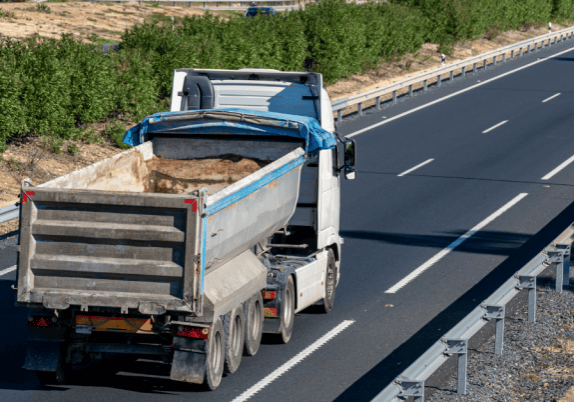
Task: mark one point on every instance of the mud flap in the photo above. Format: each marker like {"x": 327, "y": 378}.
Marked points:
{"x": 189, "y": 360}
{"x": 271, "y": 325}
{"x": 42, "y": 355}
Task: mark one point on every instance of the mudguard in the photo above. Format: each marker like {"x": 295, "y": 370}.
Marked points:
{"x": 42, "y": 355}
{"x": 189, "y": 360}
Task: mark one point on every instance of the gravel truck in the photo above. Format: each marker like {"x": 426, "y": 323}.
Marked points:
{"x": 217, "y": 226}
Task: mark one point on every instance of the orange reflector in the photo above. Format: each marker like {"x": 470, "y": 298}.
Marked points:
{"x": 270, "y": 312}
{"x": 117, "y": 324}
{"x": 269, "y": 294}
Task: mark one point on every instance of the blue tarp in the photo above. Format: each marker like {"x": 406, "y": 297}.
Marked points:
{"x": 309, "y": 129}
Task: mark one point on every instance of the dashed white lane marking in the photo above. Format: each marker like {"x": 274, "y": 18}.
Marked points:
{"x": 416, "y": 167}
{"x": 552, "y": 97}
{"x": 297, "y": 359}
{"x": 8, "y": 270}
{"x": 493, "y": 127}
{"x": 452, "y": 95}
{"x": 454, "y": 245}
{"x": 559, "y": 168}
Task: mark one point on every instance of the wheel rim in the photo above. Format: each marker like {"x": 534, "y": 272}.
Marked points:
{"x": 256, "y": 320}
{"x": 216, "y": 357}
{"x": 288, "y": 308}
{"x": 236, "y": 336}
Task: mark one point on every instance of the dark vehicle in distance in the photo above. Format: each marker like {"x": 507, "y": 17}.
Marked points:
{"x": 253, "y": 11}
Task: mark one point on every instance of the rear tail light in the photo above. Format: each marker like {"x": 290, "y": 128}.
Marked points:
{"x": 269, "y": 294}
{"x": 270, "y": 312}
{"x": 35, "y": 321}
{"x": 191, "y": 332}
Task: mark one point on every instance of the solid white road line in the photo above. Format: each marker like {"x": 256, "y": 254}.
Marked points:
{"x": 8, "y": 270}
{"x": 416, "y": 167}
{"x": 451, "y": 95}
{"x": 454, "y": 245}
{"x": 493, "y": 127}
{"x": 293, "y": 361}
{"x": 552, "y": 97}
{"x": 559, "y": 168}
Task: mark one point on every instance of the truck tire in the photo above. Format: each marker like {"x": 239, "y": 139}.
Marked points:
{"x": 330, "y": 285}
{"x": 253, "y": 324}
{"x": 234, "y": 323}
{"x": 215, "y": 356}
{"x": 287, "y": 312}
{"x": 61, "y": 374}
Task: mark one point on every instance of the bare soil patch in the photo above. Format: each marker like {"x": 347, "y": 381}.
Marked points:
{"x": 176, "y": 176}
{"x": 107, "y": 20}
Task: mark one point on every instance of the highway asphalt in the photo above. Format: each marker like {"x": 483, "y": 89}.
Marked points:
{"x": 490, "y": 182}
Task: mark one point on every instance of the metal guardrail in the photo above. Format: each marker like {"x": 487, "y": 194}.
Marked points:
{"x": 341, "y": 104}
{"x": 295, "y": 4}
{"x": 8, "y": 213}
{"x": 410, "y": 383}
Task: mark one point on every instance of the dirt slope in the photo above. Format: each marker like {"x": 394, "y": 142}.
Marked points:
{"x": 106, "y": 20}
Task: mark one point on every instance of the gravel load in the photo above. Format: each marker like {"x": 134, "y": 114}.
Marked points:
{"x": 537, "y": 363}
{"x": 176, "y": 176}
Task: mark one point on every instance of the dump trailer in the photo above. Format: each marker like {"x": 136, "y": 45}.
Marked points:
{"x": 218, "y": 225}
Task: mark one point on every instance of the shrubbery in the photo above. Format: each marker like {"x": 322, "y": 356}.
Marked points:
{"x": 54, "y": 87}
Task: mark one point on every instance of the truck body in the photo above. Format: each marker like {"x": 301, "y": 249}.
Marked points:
{"x": 150, "y": 252}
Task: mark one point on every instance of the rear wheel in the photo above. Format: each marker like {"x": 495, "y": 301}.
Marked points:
{"x": 287, "y": 312}
{"x": 235, "y": 331}
{"x": 253, "y": 324}
{"x": 215, "y": 356}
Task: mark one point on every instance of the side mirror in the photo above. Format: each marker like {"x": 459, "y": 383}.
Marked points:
{"x": 350, "y": 173}
{"x": 350, "y": 153}
{"x": 349, "y": 159}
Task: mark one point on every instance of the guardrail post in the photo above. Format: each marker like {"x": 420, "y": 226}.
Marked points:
{"x": 360, "y": 109}
{"x": 528, "y": 50}
{"x": 494, "y": 61}
{"x": 414, "y": 388}
{"x": 411, "y": 90}
{"x": 463, "y": 72}
{"x": 474, "y": 68}
{"x": 521, "y": 51}
{"x": 512, "y": 54}
{"x": 504, "y": 57}
{"x": 438, "y": 80}
{"x": 557, "y": 256}
{"x": 529, "y": 282}
{"x": 394, "y": 97}
{"x": 484, "y": 64}
{"x": 566, "y": 263}
{"x": 425, "y": 87}
{"x": 378, "y": 102}
{"x": 339, "y": 116}
{"x": 451, "y": 79}
{"x": 458, "y": 347}
{"x": 496, "y": 313}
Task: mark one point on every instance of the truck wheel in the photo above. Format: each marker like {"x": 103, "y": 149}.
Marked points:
{"x": 253, "y": 324}
{"x": 234, "y": 323}
{"x": 287, "y": 312}
{"x": 59, "y": 376}
{"x": 330, "y": 285}
{"x": 215, "y": 356}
